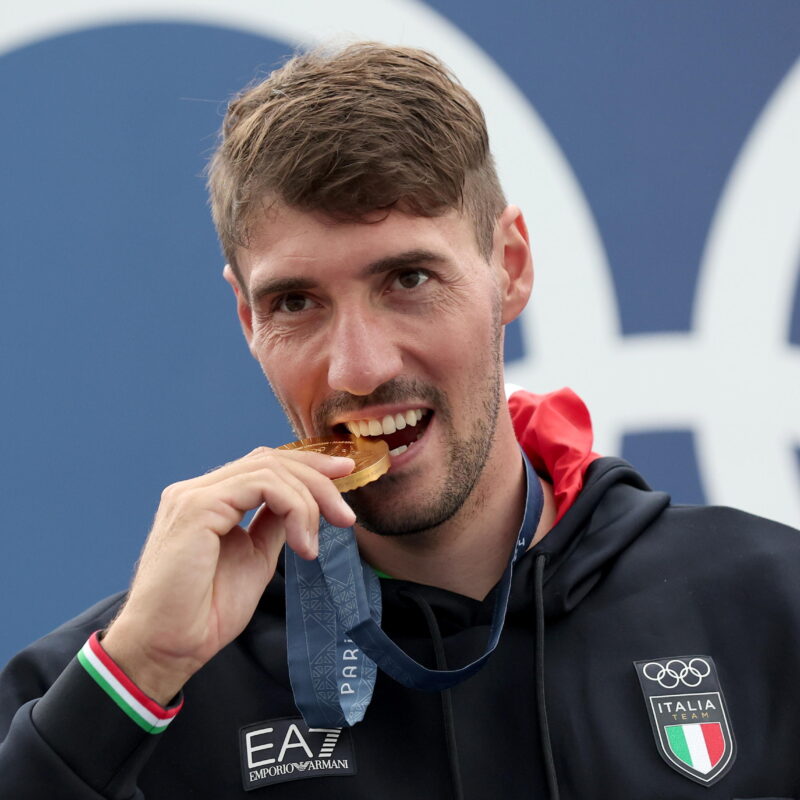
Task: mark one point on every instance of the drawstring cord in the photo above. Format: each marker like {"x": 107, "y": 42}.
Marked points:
{"x": 446, "y": 695}
{"x": 541, "y": 702}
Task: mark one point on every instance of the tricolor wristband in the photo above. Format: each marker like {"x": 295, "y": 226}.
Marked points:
{"x": 143, "y": 710}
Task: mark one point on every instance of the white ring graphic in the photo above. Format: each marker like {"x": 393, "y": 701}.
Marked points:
{"x": 735, "y": 378}
{"x": 676, "y": 671}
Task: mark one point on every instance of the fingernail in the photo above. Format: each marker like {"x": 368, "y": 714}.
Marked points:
{"x": 313, "y": 544}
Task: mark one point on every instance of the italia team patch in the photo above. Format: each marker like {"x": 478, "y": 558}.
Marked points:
{"x": 286, "y": 749}
{"x": 688, "y": 714}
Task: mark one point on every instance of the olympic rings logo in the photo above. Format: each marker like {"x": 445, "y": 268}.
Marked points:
{"x": 675, "y": 671}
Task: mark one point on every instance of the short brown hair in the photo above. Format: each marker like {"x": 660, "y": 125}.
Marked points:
{"x": 350, "y": 132}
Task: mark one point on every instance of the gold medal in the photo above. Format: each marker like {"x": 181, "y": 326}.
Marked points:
{"x": 371, "y": 457}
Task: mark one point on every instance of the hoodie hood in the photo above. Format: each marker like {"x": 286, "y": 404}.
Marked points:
{"x": 555, "y": 431}
{"x": 602, "y": 504}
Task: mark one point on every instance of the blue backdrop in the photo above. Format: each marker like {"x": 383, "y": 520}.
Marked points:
{"x": 122, "y": 363}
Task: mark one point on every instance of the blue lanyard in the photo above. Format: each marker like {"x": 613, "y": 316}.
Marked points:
{"x": 333, "y": 615}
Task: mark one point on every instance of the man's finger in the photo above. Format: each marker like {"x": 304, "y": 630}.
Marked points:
{"x": 330, "y": 466}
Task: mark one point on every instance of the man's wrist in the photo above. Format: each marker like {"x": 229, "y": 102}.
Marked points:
{"x": 134, "y": 671}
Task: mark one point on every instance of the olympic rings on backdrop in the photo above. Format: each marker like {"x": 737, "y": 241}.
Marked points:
{"x": 676, "y": 671}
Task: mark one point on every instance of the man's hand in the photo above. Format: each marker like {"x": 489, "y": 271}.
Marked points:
{"x": 201, "y": 574}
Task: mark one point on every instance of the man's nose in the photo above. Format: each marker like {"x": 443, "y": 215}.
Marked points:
{"x": 363, "y": 354}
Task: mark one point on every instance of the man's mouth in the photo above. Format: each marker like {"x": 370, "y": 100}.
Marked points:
{"x": 399, "y": 431}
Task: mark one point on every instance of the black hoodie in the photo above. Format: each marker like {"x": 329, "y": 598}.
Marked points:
{"x": 560, "y": 709}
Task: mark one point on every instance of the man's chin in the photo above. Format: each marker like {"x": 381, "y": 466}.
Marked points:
{"x": 385, "y": 514}
{"x": 413, "y": 526}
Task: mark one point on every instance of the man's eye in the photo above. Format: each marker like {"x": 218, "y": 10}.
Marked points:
{"x": 410, "y": 279}
{"x": 292, "y": 303}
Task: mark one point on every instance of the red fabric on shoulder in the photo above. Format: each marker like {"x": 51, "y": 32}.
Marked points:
{"x": 555, "y": 431}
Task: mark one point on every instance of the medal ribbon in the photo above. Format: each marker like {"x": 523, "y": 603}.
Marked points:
{"x": 333, "y": 633}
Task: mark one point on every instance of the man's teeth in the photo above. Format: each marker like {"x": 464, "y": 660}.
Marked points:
{"x": 389, "y": 424}
{"x": 398, "y": 450}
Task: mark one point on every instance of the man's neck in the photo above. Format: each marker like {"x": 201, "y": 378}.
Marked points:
{"x": 469, "y": 552}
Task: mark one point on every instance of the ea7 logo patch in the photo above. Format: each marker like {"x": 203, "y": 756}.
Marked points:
{"x": 688, "y": 714}
{"x": 287, "y": 749}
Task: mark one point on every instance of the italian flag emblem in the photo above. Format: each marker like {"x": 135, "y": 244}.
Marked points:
{"x": 689, "y": 716}
{"x": 699, "y": 745}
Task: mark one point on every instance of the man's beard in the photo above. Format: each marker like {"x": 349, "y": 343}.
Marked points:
{"x": 466, "y": 458}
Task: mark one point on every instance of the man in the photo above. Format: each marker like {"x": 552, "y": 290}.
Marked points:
{"x": 374, "y": 263}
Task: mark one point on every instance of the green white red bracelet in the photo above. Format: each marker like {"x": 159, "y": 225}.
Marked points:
{"x": 143, "y": 710}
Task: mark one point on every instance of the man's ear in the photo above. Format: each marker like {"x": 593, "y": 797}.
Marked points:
{"x": 513, "y": 253}
{"x": 243, "y": 309}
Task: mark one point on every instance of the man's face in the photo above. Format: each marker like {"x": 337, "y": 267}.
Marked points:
{"x": 392, "y": 329}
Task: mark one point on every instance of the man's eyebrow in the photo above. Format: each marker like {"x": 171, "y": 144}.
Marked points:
{"x": 281, "y": 286}
{"x": 284, "y": 285}
{"x": 410, "y": 258}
